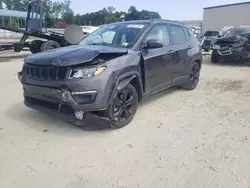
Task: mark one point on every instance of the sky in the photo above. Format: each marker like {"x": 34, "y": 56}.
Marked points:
{"x": 173, "y": 10}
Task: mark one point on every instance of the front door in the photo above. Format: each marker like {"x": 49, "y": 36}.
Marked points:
{"x": 158, "y": 62}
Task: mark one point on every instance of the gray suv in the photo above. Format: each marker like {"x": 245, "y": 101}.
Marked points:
{"x": 111, "y": 71}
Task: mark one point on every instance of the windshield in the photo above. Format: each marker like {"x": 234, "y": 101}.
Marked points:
{"x": 236, "y": 31}
{"x": 212, "y": 33}
{"x": 120, "y": 35}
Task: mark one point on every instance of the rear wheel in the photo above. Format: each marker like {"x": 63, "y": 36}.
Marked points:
{"x": 35, "y": 46}
{"x": 50, "y": 44}
{"x": 194, "y": 76}
{"x": 123, "y": 107}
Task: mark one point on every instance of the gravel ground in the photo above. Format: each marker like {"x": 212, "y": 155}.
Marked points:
{"x": 177, "y": 139}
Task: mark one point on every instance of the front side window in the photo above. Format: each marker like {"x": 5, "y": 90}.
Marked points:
{"x": 177, "y": 34}
{"x": 119, "y": 35}
{"x": 161, "y": 33}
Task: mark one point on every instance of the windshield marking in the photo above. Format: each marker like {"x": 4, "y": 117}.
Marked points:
{"x": 135, "y": 26}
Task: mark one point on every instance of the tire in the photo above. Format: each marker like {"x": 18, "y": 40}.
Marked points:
{"x": 35, "y": 46}
{"x": 215, "y": 57}
{"x": 50, "y": 44}
{"x": 123, "y": 107}
{"x": 193, "y": 78}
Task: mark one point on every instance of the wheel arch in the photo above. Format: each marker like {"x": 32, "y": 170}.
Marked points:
{"x": 124, "y": 79}
{"x": 133, "y": 79}
{"x": 199, "y": 61}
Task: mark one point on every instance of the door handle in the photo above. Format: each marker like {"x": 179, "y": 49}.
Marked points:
{"x": 171, "y": 51}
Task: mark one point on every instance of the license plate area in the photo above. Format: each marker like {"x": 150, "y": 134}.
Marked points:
{"x": 43, "y": 91}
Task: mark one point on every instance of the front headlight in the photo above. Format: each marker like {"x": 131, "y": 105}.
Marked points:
{"x": 78, "y": 73}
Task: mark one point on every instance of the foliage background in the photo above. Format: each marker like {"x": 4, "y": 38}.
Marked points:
{"x": 60, "y": 12}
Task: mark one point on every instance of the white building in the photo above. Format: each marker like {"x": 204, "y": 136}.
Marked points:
{"x": 218, "y": 17}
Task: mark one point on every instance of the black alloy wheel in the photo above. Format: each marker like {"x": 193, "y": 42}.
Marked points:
{"x": 195, "y": 74}
{"x": 215, "y": 57}
{"x": 123, "y": 107}
{"x": 194, "y": 77}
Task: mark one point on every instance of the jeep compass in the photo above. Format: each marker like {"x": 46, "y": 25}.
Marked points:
{"x": 111, "y": 71}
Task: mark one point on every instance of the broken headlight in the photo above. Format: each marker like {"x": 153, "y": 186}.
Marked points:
{"x": 83, "y": 72}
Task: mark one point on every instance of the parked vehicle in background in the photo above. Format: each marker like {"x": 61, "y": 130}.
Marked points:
{"x": 196, "y": 30}
{"x": 234, "y": 44}
{"x": 88, "y": 29}
{"x": 35, "y": 27}
{"x": 112, "y": 70}
{"x": 225, "y": 29}
{"x": 208, "y": 39}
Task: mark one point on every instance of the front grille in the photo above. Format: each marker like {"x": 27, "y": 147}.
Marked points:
{"x": 44, "y": 72}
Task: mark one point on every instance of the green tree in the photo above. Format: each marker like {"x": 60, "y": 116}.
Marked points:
{"x": 148, "y": 15}
{"x": 134, "y": 14}
{"x": 21, "y": 5}
{"x": 1, "y": 4}
{"x": 68, "y": 13}
{"x": 58, "y": 11}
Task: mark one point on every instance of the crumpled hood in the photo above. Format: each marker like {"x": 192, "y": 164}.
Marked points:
{"x": 72, "y": 55}
{"x": 227, "y": 40}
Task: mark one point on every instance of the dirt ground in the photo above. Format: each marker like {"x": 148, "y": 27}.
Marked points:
{"x": 177, "y": 139}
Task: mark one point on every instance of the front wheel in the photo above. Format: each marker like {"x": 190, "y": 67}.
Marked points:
{"x": 193, "y": 78}
{"x": 215, "y": 57}
{"x": 123, "y": 107}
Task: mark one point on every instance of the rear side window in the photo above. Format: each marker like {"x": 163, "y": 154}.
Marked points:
{"x": 177, "y": 34}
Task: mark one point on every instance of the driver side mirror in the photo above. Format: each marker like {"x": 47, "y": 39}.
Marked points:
{"x": 153, "y": 43}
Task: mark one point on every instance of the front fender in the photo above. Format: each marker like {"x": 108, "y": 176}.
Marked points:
{"x": 123, "y": 80}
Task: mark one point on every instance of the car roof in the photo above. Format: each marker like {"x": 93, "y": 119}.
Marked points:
{"x": 153, "y": 21}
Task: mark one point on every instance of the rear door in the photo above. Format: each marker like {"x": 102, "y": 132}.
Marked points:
{"x": 182, "y": 48}
{"x": 158, "y": 62}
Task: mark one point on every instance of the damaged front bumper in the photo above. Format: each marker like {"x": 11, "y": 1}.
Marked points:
{"x": 229, "y": 52}
{"x": 77, "y": 107}
{"x": 70, "y": 118}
